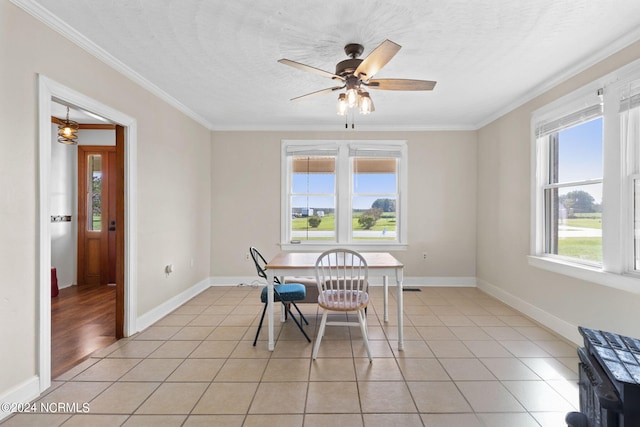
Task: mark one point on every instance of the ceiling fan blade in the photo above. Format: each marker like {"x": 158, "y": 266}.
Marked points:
{"x": 319, "y": 92}
{"x": 377, "y": 59}
{"x": 309, "y": 68}
{"x": 400, "y": 84}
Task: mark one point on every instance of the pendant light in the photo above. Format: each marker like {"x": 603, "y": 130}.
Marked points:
{"x": 68, "y": 131}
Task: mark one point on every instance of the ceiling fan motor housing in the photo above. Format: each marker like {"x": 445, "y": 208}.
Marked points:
{"x": 353, "y": 50}
{"x": 348, "y": 66}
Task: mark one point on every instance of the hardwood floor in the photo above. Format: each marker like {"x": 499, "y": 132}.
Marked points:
{"x": 82, "y": 321}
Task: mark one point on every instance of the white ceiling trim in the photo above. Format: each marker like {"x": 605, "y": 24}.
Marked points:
{"x": 572, "y": 71}
{"x": 43, "y": 15}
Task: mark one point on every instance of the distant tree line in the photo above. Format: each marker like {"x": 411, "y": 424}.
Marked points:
{"x": 579, "y": 201}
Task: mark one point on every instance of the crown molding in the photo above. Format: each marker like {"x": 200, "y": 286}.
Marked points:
{"x": 45, "y": 16}
{"x": 565, "y": 75}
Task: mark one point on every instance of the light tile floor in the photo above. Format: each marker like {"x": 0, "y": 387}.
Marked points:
{"x": 469, "y": 360}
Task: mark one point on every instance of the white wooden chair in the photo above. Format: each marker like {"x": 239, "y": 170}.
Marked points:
{"x": 342, "y": 279}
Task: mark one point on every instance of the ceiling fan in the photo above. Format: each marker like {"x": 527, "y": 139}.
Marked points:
{"x": 356, "y": 75}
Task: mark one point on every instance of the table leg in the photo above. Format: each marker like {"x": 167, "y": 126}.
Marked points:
{"x": 400, "y": 310}
{"x": 385, "y": 285}
{"x": 270, "y": 276}
{"x": 283, "y": 313}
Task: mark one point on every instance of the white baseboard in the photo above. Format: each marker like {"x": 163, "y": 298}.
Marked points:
{"x": 437, "y": 281}
{"x": 22, "y": 393}
{"x": 236, "y": 280}
{"x": 150, "y": 317}
{"x": 374, "y": 281}
{"x": 560, "y": 326}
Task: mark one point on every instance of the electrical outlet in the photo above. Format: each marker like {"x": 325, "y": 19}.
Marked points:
{"x": 424, "y": 256}
{"x": 247, "y": 257}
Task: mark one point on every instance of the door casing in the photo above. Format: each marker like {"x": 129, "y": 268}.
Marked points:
{"x": 48, "y": 91}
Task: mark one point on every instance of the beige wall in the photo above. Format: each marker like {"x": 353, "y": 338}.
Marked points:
{"x": 442, "y": 172}
{"x": 203, "y": 197}
{"x": 173, "y": 191}
{"x": 504, "y": 192}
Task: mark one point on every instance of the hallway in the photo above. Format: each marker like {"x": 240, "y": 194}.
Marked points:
{"x": 82, "y": 321}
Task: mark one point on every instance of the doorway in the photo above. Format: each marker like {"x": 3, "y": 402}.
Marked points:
{"x": 83, "y": 315}
{"x": 126, "y": 138}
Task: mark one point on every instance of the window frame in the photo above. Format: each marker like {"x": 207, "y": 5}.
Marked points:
{"x": 343, "y": 191}
{"x": 546, "y": 159}
{"x": 617, "y": 269}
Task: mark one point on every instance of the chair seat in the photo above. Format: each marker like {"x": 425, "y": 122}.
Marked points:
{"x": 340, "y": 300}
{"x": 310, "y": 285}
{"x": 287, "y": 292}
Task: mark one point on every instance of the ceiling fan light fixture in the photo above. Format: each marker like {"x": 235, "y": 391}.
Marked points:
{"x": 352, "y": 97}
{"x": 68, "y": 131}
{"x": 352, "y": 85}
{"x": 365, "y": 103}
{"x": 343, "y": 105}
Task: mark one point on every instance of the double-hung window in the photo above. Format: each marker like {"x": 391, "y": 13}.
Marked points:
{"x": 586, "y": 182}
{"x": 570, "y": 155}
{"x": 351, "y": 193}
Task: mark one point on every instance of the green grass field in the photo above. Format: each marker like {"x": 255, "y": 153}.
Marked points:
{"x": 328, "y": 223}
{"x": 587, "y": 248}
{"x": 586, "y": 220}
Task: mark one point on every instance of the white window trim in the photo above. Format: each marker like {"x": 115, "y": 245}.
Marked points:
{"x": 344, "y": 196}
{"x": 616, "y": 271}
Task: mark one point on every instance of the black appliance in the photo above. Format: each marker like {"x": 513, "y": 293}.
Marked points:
{"x": 609, "y": 379}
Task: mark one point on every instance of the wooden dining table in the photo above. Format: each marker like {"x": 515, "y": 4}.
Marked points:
{"x": 302, "y": 264}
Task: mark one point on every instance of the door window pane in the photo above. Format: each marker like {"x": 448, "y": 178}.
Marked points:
{"x": 94, "y": 192}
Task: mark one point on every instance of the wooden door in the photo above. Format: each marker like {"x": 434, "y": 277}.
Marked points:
{"x": 97, "y": 203}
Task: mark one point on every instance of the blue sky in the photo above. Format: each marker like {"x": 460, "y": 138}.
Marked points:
{"x": 364, "y": 183}
{"x": 580, "y": 156}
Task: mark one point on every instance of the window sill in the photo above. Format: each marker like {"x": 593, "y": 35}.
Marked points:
{"x": 624, "y": 282}
{"x": 362, "y": 247}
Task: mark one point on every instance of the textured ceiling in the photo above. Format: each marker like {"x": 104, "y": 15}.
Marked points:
{"x": 217, "y": 60}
